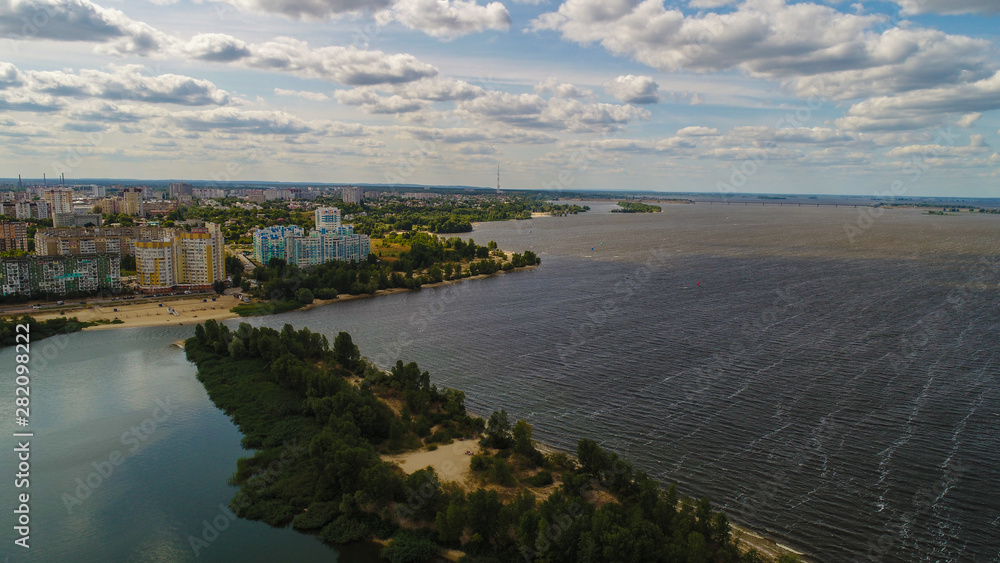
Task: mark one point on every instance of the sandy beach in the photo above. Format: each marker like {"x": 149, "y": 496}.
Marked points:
{"x": 190, "y": 310}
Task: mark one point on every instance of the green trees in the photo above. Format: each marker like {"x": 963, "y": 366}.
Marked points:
{"x": 498, "y": 433}
{"x": 316, "y": 463}
{"x": 409, "y": 547}
{"x": 304, "y": 296}
{"x": 345, "y": 351}
{"x": 219, "y": 287}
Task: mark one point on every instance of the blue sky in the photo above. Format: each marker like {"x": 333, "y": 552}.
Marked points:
{"x": 767, "y": 96}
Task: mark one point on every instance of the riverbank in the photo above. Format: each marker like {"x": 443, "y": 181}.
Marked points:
{"x": 189, "y": 310}
{"x": 193, "y": 310}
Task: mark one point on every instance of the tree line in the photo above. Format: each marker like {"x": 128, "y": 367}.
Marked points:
{"x": 317, "y": 417}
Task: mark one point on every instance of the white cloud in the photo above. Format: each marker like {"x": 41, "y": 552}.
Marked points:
{"x": 309, "y": 9}
{"x": 710, "y": 3}
{"x": 921, "y": 108}
{"x": 217, "y": 47}
{"x": 313, "y": 96}
{"x": 128, "y": 82}
{"x": 371, "y": 102}
{"x": 812, "y": 48}
{"x": 78, "y": 20}
{"x": 968, "y": 119}
{"x": 949, "y": 6}
{"x": 346, "y": 65}
{"x": 446, "y": 19}
{"x": 561, "y": 89}
{"x": 976, "y": 147}
{"x": 633, "y": 89}
{"x": 234, "y": 120}
{"x": 531, "y": 110}
{"x": 697, "y": 131}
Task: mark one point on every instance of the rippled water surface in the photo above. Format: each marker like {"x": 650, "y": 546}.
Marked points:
{"x": 827, "y": 377}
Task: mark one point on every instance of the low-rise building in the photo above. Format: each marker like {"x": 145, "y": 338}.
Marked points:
{"x": 13, "y": 236}
{"x": 44, "y": 276}
{"x": 76, "y": 219}
{"x": 53, "y": 241}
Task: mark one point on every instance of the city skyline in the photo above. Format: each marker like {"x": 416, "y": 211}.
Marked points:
{"x": 761, "y": 96}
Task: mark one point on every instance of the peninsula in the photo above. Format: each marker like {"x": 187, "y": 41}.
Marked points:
{"x": 328, "y": 429}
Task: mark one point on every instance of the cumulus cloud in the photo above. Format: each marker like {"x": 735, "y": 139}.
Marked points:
{"x": 968, "y": 119}
{"x": 128, "y": 82}
{"x": 234, "y": 120}
{"x": 28, "y": 101}
{"x": 561, "y": 89}
{"x": 812, "y": 48}
{"x": 446, "y": 19}
{"x": 633, "y": 89}
{"x": 347, "y": 65}
{"x": 697, "y": 131}
{"x": 439, "y": 89}
{"x": 489, "y": 133}
{"x": 78, "y": 20}
{"x": 531, "y": 110}
{"x": 9, "y": 76}
{"x": 313, "y": 96}
{"x": 371, "y": 101}
{"x": 309, "y": 9}
{"x": 921, "y": 108}
{"x": 217, "y": 47}
{"x": 949, "y": 6}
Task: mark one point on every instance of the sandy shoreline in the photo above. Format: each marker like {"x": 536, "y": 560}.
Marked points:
{"x": 194, "y": 309}
{"x": 449, "y": 461}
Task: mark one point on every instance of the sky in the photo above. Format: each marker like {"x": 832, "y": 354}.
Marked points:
{"x": 891, "y": 98}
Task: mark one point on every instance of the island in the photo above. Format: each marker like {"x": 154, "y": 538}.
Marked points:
{"x": 331, "y": 434}
{"x": 636, "y": 207}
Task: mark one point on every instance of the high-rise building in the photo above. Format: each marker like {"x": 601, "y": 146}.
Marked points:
{"x": 351, "y": 194}
{"x": 133, "y": 201}
{"x": 177, "y": 189}
{"x": 38, "y": 276}
{"x": 327, "y": 218}
{"x": 13, "y": 236}
{"x": 330, "y": 240}
{"x": 60, "y": 200}
{"x": 272, "y": 242}
{"x": 97, "y": 191}
{"x": 193, "y": 260}
{"x": 41, "y": 209}
{"x": 22, "y": 210}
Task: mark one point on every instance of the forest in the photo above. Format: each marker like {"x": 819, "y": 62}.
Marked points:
{"x": 317, "y": 418}
{"x": 42, "y": 329}
{"x": 636, "y": 207}
{"x": 427, "y": 259}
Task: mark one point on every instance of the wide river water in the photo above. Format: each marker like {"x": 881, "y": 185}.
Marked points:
{"x": 835, "y": 388}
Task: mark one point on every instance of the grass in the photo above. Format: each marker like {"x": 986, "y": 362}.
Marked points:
{"x": 266, "y": 308}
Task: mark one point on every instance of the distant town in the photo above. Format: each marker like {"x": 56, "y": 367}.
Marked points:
{"x": 84, "y": 239}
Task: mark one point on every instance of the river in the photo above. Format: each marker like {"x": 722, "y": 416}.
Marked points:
{"x": 824, "y": 376}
